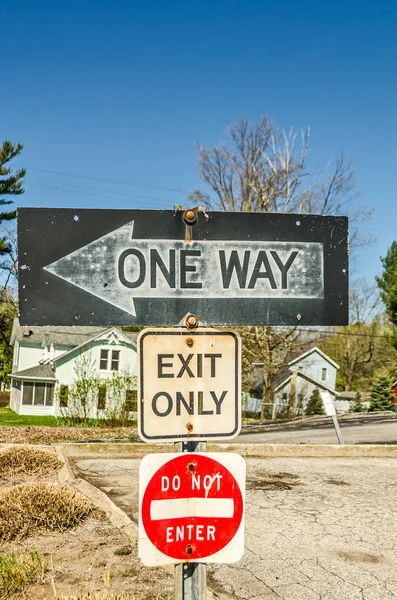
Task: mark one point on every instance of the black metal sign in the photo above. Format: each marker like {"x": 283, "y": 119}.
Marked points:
{"x": 146, "y": 267}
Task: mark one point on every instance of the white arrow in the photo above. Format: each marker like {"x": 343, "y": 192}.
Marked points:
{"x": 117, "y": 270}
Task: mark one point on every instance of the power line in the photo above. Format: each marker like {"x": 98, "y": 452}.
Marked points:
{"x": 322, "y": 332}
{"x": 92, "y": 191}
{"x": 134, "y": 184}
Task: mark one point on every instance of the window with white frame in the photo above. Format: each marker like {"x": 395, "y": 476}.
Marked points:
{"x": 131, "y": 400}
{"x": 115, "y": 360}
{"x": 37, "y": 393}
{"x": 109, "y": 360}
{"x": 103, "y": 362}
{"x": 323, "y": 374}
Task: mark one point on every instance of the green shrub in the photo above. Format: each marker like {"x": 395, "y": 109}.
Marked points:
{"x": 315, "y": 405}
{"x": 18, "y": 572}
{"x": 4, "y": 399}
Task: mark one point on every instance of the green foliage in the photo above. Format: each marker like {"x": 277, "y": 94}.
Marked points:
{"x": 63, "y": 395}
{"x": 388, "y": 282}
{"x": 10, "y": 184}
{"x": 315, "y": 404}
{"x": 90, "y": 397}
{"x": 357, "y": 405}
{"x": 18, "y": 572}
{"x": 382, "y": 395}
{"x": 8, "y": 311}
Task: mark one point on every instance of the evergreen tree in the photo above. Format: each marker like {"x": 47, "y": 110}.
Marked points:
{"x": 381, "y": 395}
{"x": 357, "y": 405}
{"x": 315, "y": 405}
{"x": 10, "y": 184}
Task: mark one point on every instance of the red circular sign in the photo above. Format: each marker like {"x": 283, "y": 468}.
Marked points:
{"x": 192, "y": 507}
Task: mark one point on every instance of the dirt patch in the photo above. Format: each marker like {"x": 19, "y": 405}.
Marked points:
{"x": 87, "y": 560}
{"x": 332, "y": 481}
{"x": 268, "y": 480}
{"x": 358, "y": 556}
{"x": 92, "y": 561}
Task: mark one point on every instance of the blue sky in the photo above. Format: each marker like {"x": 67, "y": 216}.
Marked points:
{"x": 122, "y": 92}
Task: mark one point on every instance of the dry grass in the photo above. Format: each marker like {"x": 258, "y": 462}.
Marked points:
{"x": 53, "y": 435}
{"x": 19, "y": 461}
{"x": 17, "y": 572}
{"x": 34, "y": 508}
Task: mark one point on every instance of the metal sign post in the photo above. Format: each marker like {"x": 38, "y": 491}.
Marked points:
{"x": 190, "y": 579}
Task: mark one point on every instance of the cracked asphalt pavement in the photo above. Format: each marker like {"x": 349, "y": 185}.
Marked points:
{"x": 316, "y": 529}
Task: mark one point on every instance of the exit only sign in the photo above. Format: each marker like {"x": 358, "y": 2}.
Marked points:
{"x": 189, "y": 384}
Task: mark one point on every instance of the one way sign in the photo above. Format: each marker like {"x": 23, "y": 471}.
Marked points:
{"x": 99, "y": 267}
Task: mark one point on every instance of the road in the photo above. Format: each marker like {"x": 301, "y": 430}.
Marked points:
{"x": 357, "y": 431}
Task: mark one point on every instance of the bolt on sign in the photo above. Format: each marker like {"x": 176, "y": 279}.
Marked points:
{"x": 140, "y": 267}
{"x": 189, "y": 384}
{"x": 191, "y": 508}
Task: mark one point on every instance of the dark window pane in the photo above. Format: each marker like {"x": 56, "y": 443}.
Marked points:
{"x": 131, "y": 400}
{"x": 115, "y": 360}
{"x": 101, "y": 397}
{"x": 324, "y": 375}
{"x": 63, "y": 396}
{"x": 27, "y": 393}
{"x": 39, "y": 394}
{"x": 49, "y": 399}
{"x": 103, "y": 363}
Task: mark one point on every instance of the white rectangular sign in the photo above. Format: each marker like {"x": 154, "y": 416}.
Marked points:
{"x": 189, "y": 384}
{"x": 328, "y": 404}
{"x": 191, "y": 508}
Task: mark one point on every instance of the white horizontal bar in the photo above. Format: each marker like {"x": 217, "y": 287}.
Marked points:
{"x": 179, "y": 508}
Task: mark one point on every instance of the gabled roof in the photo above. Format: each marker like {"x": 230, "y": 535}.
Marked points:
{"x": 308, "y": 378}
{"x": 38, "y": 372}
{"x": 74, "y": 335}
{"x": 45, "y": 335}
{"x": 311, "y": 351}
{"x": 125, "y": 334}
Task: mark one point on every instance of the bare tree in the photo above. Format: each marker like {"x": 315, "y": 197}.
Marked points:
{"x": 262, "y": 169}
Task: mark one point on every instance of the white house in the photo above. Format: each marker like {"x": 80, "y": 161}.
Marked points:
{"x": 47, "y": 360}
{"x": 313, "y": 369}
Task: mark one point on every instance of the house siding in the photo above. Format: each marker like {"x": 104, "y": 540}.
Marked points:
{"x": 29, "y": 356}
{"x": 64, "y": 366}
{"x": 313, "y": 365}
{"x": 304, "y": 390}
{"x": 15, "y": 399}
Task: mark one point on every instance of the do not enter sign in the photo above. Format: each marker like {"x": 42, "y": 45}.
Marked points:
{"x": 191, "y": 508}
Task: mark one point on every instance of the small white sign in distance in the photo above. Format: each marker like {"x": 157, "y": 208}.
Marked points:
{"x": 329, "y": 406}
{"x": 189, "y": 384}
{"x": 191, "y": 508}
